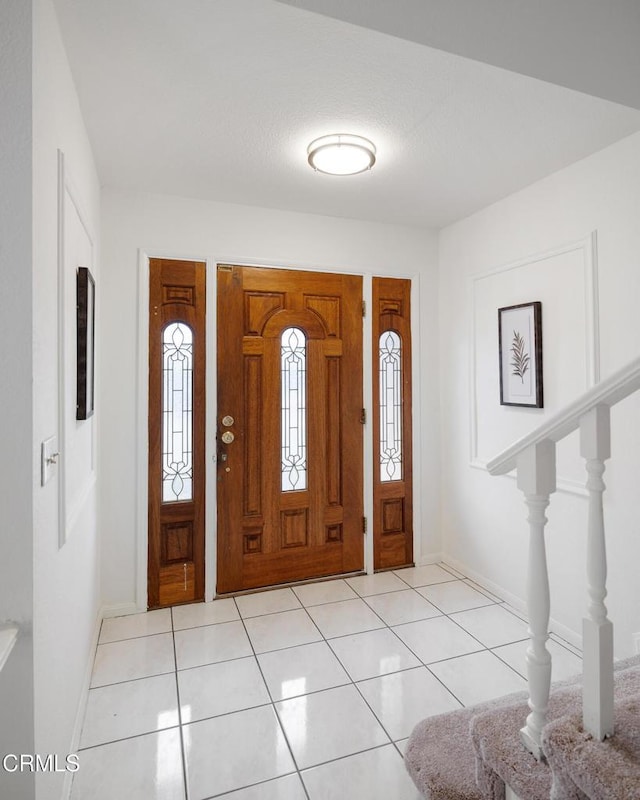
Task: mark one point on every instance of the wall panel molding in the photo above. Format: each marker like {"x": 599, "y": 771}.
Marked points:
{"x": 71, "y": 499}
{"x": 587, "y": 247}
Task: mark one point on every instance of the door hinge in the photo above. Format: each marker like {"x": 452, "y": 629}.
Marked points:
{"x": 364, "y": 308}
{"x": 363, "y": 416}
{"x": 364, "y": 524}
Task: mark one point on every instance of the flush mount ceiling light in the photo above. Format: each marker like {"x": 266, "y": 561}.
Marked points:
{"x": 341, "y": 154}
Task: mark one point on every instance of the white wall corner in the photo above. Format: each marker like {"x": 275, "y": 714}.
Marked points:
{"x": 120, "y": 610}
{"x": 568, "y": 634}
{"x": 82, "y": 700}
{"x": 429, "y": 558}
{"x": 142, "y": 443}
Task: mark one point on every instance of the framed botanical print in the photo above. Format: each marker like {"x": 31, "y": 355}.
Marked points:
{"x": 85, "y": 318}
{"x": 520, "y": 349}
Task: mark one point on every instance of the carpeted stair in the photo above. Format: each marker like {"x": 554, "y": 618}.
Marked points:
{"x": 608, "y": 770}
{"x": 472, "y": 753}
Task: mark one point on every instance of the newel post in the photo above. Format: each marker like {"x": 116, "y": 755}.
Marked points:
{"x": 536, "y": 468}
{"x": 597, "y": 630}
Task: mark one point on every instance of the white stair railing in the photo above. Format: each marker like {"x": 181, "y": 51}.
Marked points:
{"x": 597, "y": 630}
{"x": 537, "y": 479}
{"x": 533, "y": 457}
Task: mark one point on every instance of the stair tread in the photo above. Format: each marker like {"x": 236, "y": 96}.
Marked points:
{"x": 496, "y": 740}
{"x": 608, "y": 770}
{"x": 441, "y": 759}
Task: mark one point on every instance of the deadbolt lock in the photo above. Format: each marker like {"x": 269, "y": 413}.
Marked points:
{"x": 228, "y": 421}
{"x": 227, "y": 437}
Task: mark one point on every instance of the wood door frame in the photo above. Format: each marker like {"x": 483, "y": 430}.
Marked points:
{"x": 142, "y": 406}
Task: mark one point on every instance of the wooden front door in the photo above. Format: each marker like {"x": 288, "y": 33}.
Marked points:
{"x": 289, "y": 432}
{"x": 176, "y": 431}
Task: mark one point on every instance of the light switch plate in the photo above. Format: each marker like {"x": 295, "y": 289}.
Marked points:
{"x": 49, "y": 459}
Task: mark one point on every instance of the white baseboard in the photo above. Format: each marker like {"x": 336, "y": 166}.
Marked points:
{"x": 429, "y": 558}
{"x": 574, "y": 639}
{"x": 82, "y": 702}
{"x": 517, "y": 603}
{"x": 121, "y": 610}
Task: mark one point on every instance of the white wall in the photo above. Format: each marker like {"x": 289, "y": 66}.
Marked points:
{"x": 66, "y": 578}
{"x": 16, "y": 517}
{"x": 175, "y": 227}
{"x": 483, "y": 522}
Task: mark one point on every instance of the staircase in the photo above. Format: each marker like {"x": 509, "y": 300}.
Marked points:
{"x": 581, "y": 739}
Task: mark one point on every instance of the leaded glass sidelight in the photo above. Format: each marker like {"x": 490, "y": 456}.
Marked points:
{"x": 390, "y": 353}
{"x": 293, "y": 368}
{"x": 177, "y": 413}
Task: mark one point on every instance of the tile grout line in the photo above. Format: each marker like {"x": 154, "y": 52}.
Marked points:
{"x": 182, "y": 747}
{"x": 249, "y": 786}
{"x": 133, "y": 680}
{"x": 390, "y": 743}
{"x": 357, "y": 688}
{"x": 351, "y": 682}
{"x": 484, "y": 648}
{"x": 128, "y": 738}
{"x": 426, "y": 666}
{"x": 306, "y": 769}
{"x": 327, "y": 641}
{"x": 487, "y": 648}
{"x": 273, "y": 706}
{"x": 355, "y": 683}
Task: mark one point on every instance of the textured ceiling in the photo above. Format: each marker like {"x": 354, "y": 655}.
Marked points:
{"x": 588, "y": 45}
{"x": 218, "y": 99}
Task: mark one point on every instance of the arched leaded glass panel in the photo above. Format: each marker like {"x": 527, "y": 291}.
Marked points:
{"x": 177, "y": 413}
{"x": 390, "y": 353}
{"x": 293, "y": 367}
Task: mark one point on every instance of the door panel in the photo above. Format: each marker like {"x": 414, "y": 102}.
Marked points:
{"x": 392, "y": 479}
{"x": 176, "y": 432}
{"x": 273, "y": 529}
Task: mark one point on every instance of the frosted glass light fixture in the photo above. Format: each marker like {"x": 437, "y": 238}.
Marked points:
{"x": 341, "y": 154}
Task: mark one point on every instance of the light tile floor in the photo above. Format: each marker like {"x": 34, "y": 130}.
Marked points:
{"x": 306, "y": 693}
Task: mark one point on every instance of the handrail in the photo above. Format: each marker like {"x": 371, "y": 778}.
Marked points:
{"x": 607, "y": 393}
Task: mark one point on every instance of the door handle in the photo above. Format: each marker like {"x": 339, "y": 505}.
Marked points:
{"x": 227, "y": 437}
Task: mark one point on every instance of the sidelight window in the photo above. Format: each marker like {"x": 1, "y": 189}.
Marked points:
{"x": 390, "y": 358}
{"x": 177, "y": 413}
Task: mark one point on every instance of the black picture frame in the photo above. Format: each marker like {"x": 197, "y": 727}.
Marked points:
{"x": 520, "y": 355}
{"x": 85, "y": 338}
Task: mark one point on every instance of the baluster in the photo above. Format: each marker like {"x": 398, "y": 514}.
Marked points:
{"x": 597, "y": 630}
{"x": 537, "y": 479}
